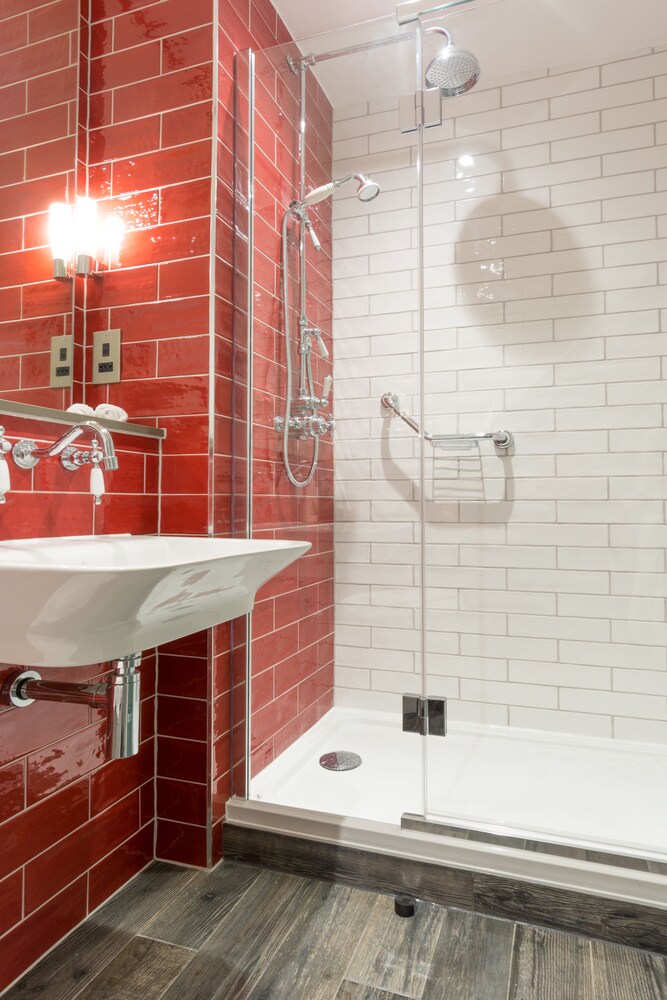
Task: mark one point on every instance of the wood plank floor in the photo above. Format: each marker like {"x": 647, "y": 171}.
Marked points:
{"x": 245, "y": 933}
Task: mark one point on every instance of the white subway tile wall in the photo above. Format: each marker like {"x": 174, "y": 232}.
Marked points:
{"x": 545, "y": 209}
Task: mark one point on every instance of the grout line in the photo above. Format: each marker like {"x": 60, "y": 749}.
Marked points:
{"x": 592, "y": 971}
{"x": 513, "y": 949}
{"x": 184, "y": 947}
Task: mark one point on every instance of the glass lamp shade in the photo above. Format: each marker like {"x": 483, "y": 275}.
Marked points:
{"x": 86, "y": 237}
{"x": 61, "y": 238}
{"x": 114, "y": 232}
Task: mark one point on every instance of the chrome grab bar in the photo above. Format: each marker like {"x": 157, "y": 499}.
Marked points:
{"x": 501, "y": 439}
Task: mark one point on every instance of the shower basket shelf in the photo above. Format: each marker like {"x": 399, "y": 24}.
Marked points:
{"x": 501, "y": 439}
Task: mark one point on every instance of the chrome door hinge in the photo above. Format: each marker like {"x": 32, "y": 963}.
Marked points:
{"x": 424, "y": 107}
{"x": 425, "y": 716}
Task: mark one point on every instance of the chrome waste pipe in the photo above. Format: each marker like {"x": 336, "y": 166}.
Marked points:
{"x": 124, "y": 706}
{"x": 119, "y": 697}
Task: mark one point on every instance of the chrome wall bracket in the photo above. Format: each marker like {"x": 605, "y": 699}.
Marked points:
{"x": 502, "y": 439}
{"x": 424, "y": 716}
{"x": 119, "y": 697}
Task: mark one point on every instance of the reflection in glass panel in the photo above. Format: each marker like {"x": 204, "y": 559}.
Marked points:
{"x": 38, "y": 149}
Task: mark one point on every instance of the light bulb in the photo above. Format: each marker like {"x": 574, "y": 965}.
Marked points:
{"x": 61, "y": 238}
{"x": 85, "y": 234}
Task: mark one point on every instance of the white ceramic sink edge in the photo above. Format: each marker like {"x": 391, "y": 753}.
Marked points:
{"x": 82, "y": 600}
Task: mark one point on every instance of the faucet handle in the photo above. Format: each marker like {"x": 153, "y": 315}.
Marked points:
{"x": 326, "y": 388}
{"x": 317, "y": 333}
{"x": 97, "y": 487}
{"x": 5, "y": 483}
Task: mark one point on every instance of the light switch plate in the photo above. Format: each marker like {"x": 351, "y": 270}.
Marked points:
{"x": 106, "y": 357}
{"x": 61, "y": 368}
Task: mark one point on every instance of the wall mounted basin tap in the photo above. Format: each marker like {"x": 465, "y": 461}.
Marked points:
{"x": 27, "y": 455}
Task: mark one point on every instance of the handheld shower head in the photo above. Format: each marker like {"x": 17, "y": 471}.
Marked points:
{"x": 367, "y": 190}
{"x": 319, "y": 194}
{"x": 455, "y": 71}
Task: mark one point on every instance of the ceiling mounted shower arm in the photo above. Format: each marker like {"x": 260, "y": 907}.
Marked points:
{"x": 313, "y": 58}
{"x": 406, "y": 13}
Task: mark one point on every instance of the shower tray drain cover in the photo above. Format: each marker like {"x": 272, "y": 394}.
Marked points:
{"x": 340, "y": 760}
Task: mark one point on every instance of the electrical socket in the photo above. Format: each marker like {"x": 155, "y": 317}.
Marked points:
{"x": 106, "y": 357}
{"x": 61, "y": 367}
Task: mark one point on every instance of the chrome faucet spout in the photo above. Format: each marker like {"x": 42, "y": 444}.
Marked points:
{"x": 109, "y": 459}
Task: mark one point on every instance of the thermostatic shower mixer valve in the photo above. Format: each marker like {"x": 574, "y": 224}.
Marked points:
{"x": 307, "y": 427}
{"x": 303, "y": 418}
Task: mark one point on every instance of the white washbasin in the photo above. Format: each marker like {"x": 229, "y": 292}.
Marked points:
{"x": 87, "y": 599}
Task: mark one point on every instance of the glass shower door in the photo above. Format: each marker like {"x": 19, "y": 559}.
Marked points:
{"x": 544, "y": 569}
{"x": 347, "y": 126}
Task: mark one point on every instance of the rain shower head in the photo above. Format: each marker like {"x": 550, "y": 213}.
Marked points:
{"x": 455, "y": 71}
{"x": 367, "y": 190}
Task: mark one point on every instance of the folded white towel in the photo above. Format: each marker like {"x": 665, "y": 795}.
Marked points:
{"x": 111, "y": 412}
{"x": 81, "y": 408}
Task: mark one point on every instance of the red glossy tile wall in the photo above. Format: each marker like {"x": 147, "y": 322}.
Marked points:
{"x": 38, "y": 92}
{"x": 148, "y": 154}
{"x": 161, "y": 177}
{"x": 149, "y": 151}
{"x": 74, "y": 825}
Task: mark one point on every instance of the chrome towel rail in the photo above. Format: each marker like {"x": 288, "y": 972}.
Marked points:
{"x": 501, "y": 439}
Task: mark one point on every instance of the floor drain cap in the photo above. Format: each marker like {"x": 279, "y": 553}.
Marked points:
{"x": 340, "y": 760}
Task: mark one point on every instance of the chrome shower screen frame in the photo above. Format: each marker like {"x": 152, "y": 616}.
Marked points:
{"x": 242, "y": 394}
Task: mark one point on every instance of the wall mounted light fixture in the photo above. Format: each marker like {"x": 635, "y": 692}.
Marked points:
{"x": 61, "y": 239}
{"x": 82, "y": 242}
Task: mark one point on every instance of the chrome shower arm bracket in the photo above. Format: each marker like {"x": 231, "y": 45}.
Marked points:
{"x": 298, "y": 65}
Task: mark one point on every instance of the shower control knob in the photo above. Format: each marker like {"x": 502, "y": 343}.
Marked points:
{"x": 315, "y": 426}
{"x": 295, "y": 424}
